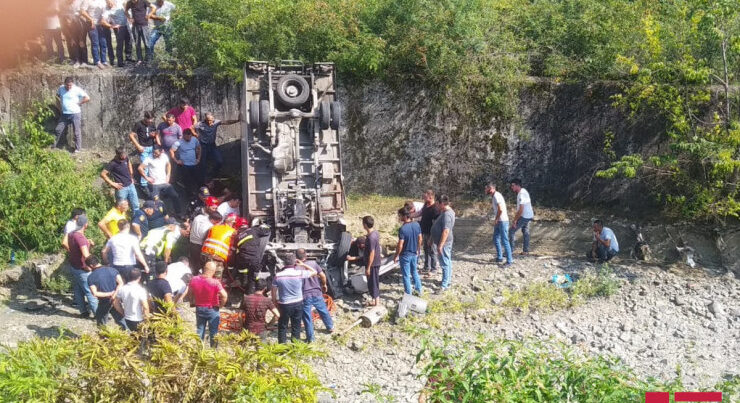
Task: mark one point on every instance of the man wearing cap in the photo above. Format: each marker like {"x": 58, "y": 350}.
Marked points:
{"x": 217, "y": 245}
{"x": 198, "y": 232}
{"x": 158, "y": 243}
{"x": 249, "y": 251}
{"x": 109, "y": 223}
{"x": 149, "y": 217}
{"x": 197, "y": 206}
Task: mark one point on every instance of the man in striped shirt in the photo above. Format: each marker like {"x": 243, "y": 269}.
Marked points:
{"x": 287, "y": 295}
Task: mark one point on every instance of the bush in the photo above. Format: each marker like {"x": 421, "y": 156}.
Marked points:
{"x": 39, "y": 188}
{"x": 542, "y": 297}
{"x": 167, "y": 362}
{"x": 514, "y": 371}
{"x": 601, "y": 284}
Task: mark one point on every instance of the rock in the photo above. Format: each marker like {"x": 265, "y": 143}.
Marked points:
{"x": 625, "y": 337}
{"x": 357, "y": 345}
{"x": 12, "y": 275}
{"x": 715, "y": 308}
{"x": 679, "y": 300}
{"x": 521, "y": 274}
{"x": 497, "y": 300}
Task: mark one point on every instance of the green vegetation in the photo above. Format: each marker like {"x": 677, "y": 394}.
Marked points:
{"x": 600, "y": 284}
{"x": 39, "y": 188}
{"x": 541, "y": 297}
{"x": 166, "y": 363}
{"x": 530, "y": 371}
{"x": 474, "y": 56}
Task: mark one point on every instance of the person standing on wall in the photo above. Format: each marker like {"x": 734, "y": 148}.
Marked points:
{"x": 161, "y": 18}
{"x": 71, "y": 98}
{"x": 139, "y": 13}
{"x": 442, "y": 237}
{"x": 207, "y": 134}
{"x": 500, "y": 224}
{"x": 53, "y": 33}
{"x": 115, "y": 19}
{"x": 92, "y": 12}
{"x": 73, "y": 28}
{"x": 144, "y": 136}
{"x": 524, "y": 214}
{"x": 122, "y": 178}
{"x": 409, "y": 241}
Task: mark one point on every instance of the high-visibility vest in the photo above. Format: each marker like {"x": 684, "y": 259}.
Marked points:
{"x": 218, "y": 241}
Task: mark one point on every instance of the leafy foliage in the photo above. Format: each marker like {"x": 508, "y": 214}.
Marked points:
{"x": 166, "y": 362}
{"x": 515, "y": 371}
{"x": 39, "y": 187}
{"x": 600, "y": 284}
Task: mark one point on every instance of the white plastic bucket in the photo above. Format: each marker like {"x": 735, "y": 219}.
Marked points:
{"x": 414, "y": 304}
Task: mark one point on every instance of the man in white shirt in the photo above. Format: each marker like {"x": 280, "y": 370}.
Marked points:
{"x": 177, "y": 274}
{"x": 122, "y": 251}
{"x": 524, "y": 214}
{"x": 53, "y": 32}
{"x": 161, "y": 18}
{"x": 156, "y": 171}
{"x": 198, "y": 232}
{"x": 605, "y": 245}
{"x": 71, "y": 98}
{"x": 92, "y": 12}
{"x": 230, "y": 207}
{"x": 132, "y": 301}
{"x": 500, "y": 224}
{"x": 115, "y": 19}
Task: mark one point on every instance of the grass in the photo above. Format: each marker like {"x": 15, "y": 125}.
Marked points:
{"x": 375, "y": 390}
{"x": 541, "y": 297}
{"x": 601, "y": 284}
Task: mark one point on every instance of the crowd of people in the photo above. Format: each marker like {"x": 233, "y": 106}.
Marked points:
{"x": 138, "y": 23}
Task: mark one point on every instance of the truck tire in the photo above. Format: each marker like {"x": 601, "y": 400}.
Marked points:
{"x": 254, "y": 114}
{"x": 264, "y": 108}
{"x": 336, "y": 115}
{"x": 340, "y": 254}
{"x": 324, "y": 115}
{"x": 293, "y": 90}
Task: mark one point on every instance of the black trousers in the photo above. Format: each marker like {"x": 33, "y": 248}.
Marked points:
{"x": 253, "y": 267}
{"x": 75, "y": 32}
{"x": 293, "y": 313}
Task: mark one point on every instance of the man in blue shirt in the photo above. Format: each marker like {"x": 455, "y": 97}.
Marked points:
{"x": 186, "y": 153}
{"x": 287, "y": 295}
{"x": 313, "y": 295}
{"x": 605, "y": 245}
{"x": 409, "y": 239}
{"x": 71, "y": 98}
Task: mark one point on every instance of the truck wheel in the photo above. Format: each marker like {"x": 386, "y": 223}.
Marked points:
{"x": 293, "y": 90}
{"x": 254, "y": 114}
{"x": 340, "y": 254}
{"x": 336, "y": 115}
{"x": 264, "y": 112}
{"x": 324, "y": 115}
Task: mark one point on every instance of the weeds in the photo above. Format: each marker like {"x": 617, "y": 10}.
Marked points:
{"x": 601, "y": 284}
{"x": 541, "y": 297}
{"x": 514, "y": 371}
{"x": 57, "y": 283}
{"x": 165, "y": 362}
{"x": 377, "y": 392}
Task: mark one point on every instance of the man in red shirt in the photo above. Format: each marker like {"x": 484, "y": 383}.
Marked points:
{"x": 209, "y": 296}
{"x": 79, "y": 249}
{"x": 255, "y": 307}
{"x": 185, "y": 116}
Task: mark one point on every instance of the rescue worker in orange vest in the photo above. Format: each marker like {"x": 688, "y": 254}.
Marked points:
{"x": 218, "y": 244}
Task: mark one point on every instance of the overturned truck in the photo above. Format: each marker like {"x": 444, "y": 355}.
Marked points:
{"x": 291, "y": 162}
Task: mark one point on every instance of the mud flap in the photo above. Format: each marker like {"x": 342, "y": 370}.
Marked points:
{"x": 334, "y": 281}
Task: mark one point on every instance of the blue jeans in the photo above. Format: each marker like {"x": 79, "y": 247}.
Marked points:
{"x": 320, "y": 305}
{"x": 98, "y": 44}
{"x": 522, "y": 223}
{"x": 445, "y": 262}
{"x": 141, "y": 36}
{"x": 409, "y": 271}
{"x": 146, "y": 153}
{"x": 603, "y": 253}
{"x": 82, "y": 292}
{"x": 209, "y": 316}
{"x": 500, "y": 236}
{"x": 129, "y": 193}
{"x": 158, "y": 32}
{"x": 210, "y": 153}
